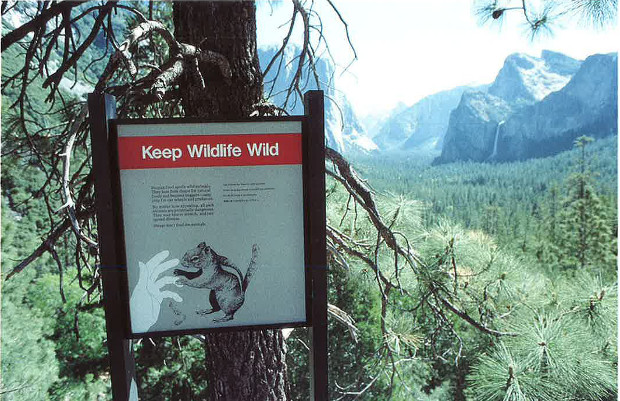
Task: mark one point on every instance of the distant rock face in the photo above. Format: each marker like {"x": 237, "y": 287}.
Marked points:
{"x": 343, "y": 130}
{"x": 536, "y": 107}
{"x": 587, "y": 105}
{"x": 422, "y": 125}
{"x": 435, "y": 123}
{"x": 473, "y": 126}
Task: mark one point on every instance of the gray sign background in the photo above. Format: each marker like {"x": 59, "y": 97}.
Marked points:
{"x": 273, "y": 220}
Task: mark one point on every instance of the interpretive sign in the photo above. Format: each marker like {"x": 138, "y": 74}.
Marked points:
{"x": 213, "y": 223}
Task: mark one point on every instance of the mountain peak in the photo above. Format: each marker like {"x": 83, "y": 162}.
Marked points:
{"x": 520, "y": 60}
{"x": 525, "y": 79}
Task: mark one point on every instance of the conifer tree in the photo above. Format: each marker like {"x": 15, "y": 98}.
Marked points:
{"x": 585, "y": 232}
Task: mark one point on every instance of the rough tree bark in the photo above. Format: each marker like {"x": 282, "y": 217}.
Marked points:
{"x": 228, "y": 28}
{"x": 247, "y": 365}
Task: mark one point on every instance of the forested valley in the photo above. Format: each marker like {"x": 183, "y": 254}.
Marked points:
{"x": 512, "y": 294}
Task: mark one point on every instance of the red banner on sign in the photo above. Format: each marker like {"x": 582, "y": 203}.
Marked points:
{"x": 145, "y": 152}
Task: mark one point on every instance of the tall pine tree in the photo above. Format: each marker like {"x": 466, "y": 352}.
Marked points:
{"x": 585, "y": 229}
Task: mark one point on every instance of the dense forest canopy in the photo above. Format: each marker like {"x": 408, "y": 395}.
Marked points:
{"x": 463, "y": 281}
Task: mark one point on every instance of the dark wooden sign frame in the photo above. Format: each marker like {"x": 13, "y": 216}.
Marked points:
{"x": 104, "y": 136}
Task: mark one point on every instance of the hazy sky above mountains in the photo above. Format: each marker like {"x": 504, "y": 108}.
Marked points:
{"x": 411, "y": 49}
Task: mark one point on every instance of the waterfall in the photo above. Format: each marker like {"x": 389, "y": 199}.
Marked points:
{"x": 494, "y": 154}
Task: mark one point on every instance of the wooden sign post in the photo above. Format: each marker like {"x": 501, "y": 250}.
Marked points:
{"x": 102, "y": 109}
{"x": 314, "y": 109}
{"x": 209, "y": 226}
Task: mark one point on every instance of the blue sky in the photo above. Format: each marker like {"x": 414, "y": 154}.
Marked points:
{"x": 410, "y": 49}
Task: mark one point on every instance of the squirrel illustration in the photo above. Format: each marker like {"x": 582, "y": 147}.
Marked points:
{"x": 227, "y": 288}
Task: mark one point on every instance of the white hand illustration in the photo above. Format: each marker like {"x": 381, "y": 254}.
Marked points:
{"x": 147, "y": 296}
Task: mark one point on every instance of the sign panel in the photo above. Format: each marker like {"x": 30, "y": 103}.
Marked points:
{"x": 213, "y": 219}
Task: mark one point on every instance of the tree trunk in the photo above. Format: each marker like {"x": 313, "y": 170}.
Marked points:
{"x": 248, "y": 365}
{"x": 228, "y": 28}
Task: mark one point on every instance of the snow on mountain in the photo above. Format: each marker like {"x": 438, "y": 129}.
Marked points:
{"x": 526, "y": 79}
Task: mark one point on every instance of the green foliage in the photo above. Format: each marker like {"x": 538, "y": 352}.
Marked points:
{"x": 507, "y": 201}
{"x": 593, "y": 304}
{"x": 501, "y": 265}
{"x": 29, "y": 366}
{"x": 350, "y": 365}
{"x": 502, "y": 377}
{"x": 80, "y": 366}
{"x": 552, "y": 358}
{"x": 586, "y": 228}
{"x": 491, "y": 243}
{"x": 42, "y": 357}
{"x": 83, "y": 360}
{"x": 171, "y": 369}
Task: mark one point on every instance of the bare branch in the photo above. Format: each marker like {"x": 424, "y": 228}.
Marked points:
{"x": 69, "y": 204}
{"x": 55, "y": 78}
{"x": 471, "y": 320}
{"x": 51, "y": 238}
{"x": 163, "y": 82}
{"x": 40, "y": 21}
{"x": 346, "y": 29}
{"x": 345, "y": 319}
